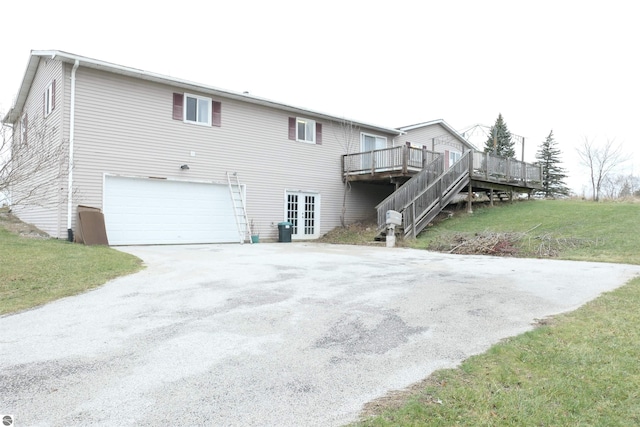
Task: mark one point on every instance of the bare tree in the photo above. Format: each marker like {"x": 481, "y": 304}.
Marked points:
{"x": 348, "y": 135}
{"x": 620, "y": 186}
{"x": 32, "y": 163}
{"x": 601, "y": 161}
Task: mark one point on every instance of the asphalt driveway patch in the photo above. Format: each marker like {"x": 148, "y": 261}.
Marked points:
{"x": 272, "y": 334}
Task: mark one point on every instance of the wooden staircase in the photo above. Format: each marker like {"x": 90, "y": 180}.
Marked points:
{"x": 426, "y": 194}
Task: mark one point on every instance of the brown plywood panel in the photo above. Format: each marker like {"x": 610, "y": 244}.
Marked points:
{"x": 93, "y": 229}
{"x": 78, "y": 237}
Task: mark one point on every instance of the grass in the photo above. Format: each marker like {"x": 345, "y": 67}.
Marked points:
{"x": 36, "y": 271}
{"x": 578, "y": 369}
{"x": 577, "y": 230}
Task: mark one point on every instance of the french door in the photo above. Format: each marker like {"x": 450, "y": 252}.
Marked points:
{"x": 303, "y": 212}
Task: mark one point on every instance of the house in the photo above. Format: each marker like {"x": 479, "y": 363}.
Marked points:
{"x": 437, "y": 136}
{"x": 161, "y": 156}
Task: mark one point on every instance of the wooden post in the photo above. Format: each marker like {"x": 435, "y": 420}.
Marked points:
{"x": 413, "y": 219}
{"x": 405, "y": 157}
{"x": 508, "y": 171}
{"x": 424, "y": 156}
{"x": 491, "y": 197}
{"x": 373, "y": 162}
{"x": 523, "y": 148}
{"x": 433, "y": 145}
{"x": 486, "y": 167}
{"x": 470, "y": 193}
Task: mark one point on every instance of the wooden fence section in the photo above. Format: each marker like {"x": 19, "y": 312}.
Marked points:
{"x": 401, "y": 159}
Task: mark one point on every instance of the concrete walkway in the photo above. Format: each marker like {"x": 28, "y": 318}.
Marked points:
{"x": 294, "y": 334}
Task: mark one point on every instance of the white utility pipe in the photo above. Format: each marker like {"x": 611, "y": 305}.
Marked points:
{"x": 72, "y": 123}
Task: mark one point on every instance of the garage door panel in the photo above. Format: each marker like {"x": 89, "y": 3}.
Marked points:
{"x": 147, "y": 211}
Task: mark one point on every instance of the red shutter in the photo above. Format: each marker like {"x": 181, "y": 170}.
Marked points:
{"x": 318, "y": 133}
{"x": 292, "y": 128}
{"x": 446, "y": 159}
{"x": 178, "y": 102}
{"x": 216, "y": 113}
{"x": 53, "y": 95}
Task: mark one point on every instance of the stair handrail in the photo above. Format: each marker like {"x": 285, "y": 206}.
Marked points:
{"x": 440, "y": 197}
{"x": 414, "y": 185}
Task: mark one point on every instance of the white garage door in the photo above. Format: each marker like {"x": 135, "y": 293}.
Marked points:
{"x": 140, "y": 211}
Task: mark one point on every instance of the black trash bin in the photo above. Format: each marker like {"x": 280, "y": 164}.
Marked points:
{"x": 284, "y": 231}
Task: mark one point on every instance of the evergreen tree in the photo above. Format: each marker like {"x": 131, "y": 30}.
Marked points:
{"x": 553, "y": 175}
{"x": 504, "y": 144}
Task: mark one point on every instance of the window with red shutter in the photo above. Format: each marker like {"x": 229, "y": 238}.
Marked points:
{"x": 304, "y": 130}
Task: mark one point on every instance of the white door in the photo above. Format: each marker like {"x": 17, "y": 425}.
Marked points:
{"x": 141, "y": 211}
{"x": 303, "y": 212}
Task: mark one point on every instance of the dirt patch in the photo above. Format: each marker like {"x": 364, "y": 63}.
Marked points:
{"x": 13, "y": 224}
{"x": 398, "y": 398}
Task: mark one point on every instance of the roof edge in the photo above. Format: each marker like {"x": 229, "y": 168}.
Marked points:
{"x": 160, "y": 78}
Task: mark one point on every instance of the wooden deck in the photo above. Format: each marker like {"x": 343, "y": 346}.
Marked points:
{"x": 489, "y": 172}
{"x": 428, "y": 186}
{"x": 386, "y": 163}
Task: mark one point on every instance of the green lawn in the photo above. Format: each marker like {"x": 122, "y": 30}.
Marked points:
{"x": 36, "y": 271}
{"x": 580, "y": 368}
{"x": 579, "y": 230}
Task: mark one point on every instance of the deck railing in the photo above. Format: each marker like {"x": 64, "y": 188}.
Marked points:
{"x": 424, "y": 207}
{"x": 489, "y": 167}
{"x": 402, "y": 158}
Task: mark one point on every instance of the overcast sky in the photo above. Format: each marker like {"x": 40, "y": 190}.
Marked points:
{"x": 568, "y": 66}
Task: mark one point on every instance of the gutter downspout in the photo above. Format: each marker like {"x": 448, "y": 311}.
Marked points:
{"x": 72, "y": 120}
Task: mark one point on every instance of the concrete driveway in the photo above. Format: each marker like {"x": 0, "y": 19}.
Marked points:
{"x": 271, "y": 334}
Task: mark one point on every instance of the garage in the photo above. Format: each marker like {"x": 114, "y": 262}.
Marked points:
{"x": 146, "y": 211}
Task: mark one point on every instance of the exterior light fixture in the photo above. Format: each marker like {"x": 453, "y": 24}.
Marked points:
{"x": 184, "y": 167}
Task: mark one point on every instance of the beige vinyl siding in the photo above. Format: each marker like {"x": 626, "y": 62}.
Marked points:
{"x": 44, "y": 209}
{"x": 124, "y": 126}
{"x": 363, "y": 197}
{"x": 425, "y": 136}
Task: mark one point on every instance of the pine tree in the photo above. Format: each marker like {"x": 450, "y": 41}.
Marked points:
{"x": 553, "y": 175}
{"x": 504, "y": 143}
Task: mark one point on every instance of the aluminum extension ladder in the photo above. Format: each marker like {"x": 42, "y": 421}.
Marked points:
{"x": 239, "y": 207}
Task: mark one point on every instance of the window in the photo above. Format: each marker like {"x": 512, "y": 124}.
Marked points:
{"x": 372, "y": 142}
{"x": 49, "y": 98}
{"x": 24, "y": 126}
{"x": 197, "y": 109}
{"x": 305, "y": 130}
{"x": 454, "y": 156}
